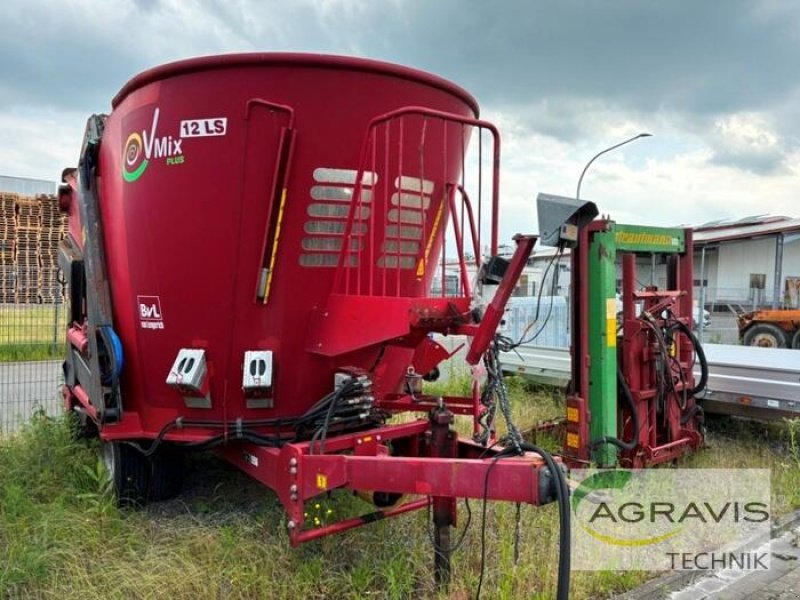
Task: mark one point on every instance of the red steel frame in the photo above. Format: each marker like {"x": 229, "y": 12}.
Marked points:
{"x": 361, "y": 461}
{"x": 665, "y": 438}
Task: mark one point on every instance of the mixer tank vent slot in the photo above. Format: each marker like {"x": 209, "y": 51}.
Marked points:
{"x": 332, "y": 196}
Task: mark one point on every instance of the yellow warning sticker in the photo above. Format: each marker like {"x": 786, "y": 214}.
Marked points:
{"x": 322, "y": 481}
{"x": 573, "y": 440}
{"x": 429, "y": 245}
{"x": 611, "y": 332}
{"x": 572, "y": 414}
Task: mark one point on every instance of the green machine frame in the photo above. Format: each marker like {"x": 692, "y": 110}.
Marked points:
{"x": 600, "y": 368}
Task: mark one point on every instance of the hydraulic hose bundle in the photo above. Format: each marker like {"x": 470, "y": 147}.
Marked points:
{"x": 624, "y": 391}
{"x": 667, "y": 368}
{"x": 349, "y": 406}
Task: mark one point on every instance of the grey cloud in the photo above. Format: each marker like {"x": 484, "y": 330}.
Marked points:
{"x": 769, "y": 162}
{"x": 561, "y": 67}
{"x": 57, "y": 56}
{"x": 568, "y": 69}
{"x": 653, "y": 55}
{"x": 146, "y": 4}
{"x": 749, "y": 143}
{"x": 700, "y": 57}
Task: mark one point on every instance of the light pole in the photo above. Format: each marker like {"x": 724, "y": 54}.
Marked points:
{"x": 596, "y": 156}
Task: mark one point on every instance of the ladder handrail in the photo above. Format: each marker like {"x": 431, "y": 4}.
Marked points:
{"x": 369, "y": 141}
{"x": 479, "y": 123}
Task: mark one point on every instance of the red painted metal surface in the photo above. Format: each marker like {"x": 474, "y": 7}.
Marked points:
{"x": 406, "y": 403}
{"x": 79, "y": 394}
{"x": 308, "y": 535}
{"x": 190, "y": 233}
{"x": 662, "y": 436}
{"x": 77, "y": 337}
{"x": 299, "y": 204}
{"x": 363, "y": 461}
{"x": 491, "y": 320}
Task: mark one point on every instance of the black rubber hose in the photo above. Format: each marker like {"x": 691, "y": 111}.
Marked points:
{"x": 562, "y": 496}
{"x": 622, "y": 385}
{"x": 701, "y": 356}
{"x": 692, "y": 412}
{"x": 208, "y": 444}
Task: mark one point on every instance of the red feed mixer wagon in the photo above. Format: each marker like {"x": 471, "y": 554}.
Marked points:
{"x": 253, "y": 244}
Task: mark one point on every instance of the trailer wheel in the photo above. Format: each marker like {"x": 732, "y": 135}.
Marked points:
{"x": 796, "y": 340}
{"x": 166, "y": 473}
{"x": 765, "y": 335}
{"x": 129, "y": 471}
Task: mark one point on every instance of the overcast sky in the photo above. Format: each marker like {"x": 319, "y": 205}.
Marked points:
{"x": 715, "y": 82}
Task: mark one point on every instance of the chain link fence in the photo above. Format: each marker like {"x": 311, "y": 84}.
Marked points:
{"x": 31, "y": 352}
{"x": 32, "y": 311}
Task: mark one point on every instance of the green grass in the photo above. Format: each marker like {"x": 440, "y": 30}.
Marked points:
{"x": 61, "y": 536}
{"x": 32, "y": 332}
{"x": 31, "y": 352}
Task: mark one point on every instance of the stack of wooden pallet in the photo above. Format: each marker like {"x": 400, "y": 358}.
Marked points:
{"x": 29, "y": 229}
{"x": 53, "y": 229}
{"x": 8, "y": 237}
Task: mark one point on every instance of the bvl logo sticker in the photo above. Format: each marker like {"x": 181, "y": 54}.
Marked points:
{"x": 150, "y": 315}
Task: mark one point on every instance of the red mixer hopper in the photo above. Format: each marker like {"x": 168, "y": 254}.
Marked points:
{"x": 254, "y": 241}
{"x": 214, "y": 172}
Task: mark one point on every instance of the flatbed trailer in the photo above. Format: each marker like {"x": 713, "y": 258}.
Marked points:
{"x": 758, "y": 383}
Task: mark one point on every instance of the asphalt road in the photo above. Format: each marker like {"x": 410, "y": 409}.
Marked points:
{"x": 723, "y": 330}
{"x": 780, "y": 582}
{"x": 26, "y": 387}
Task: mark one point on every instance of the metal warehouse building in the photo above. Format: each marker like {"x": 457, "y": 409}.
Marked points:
{"x": 750, "y": 262}
{"x": 25, "y": 186}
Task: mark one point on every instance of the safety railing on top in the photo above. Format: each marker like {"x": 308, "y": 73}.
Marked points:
{"x": 412, "y": 179}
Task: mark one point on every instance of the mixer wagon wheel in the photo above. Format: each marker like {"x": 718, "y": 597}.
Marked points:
{"x": 129, "y": 472}
{"x": 166, "y": 473}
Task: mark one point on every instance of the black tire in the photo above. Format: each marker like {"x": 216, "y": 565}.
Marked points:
{"x": 166, "y": 473}
{"x": 765, "y": 335}
{"x": 129, "y": 471}
{"x": 796, "y": 340}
